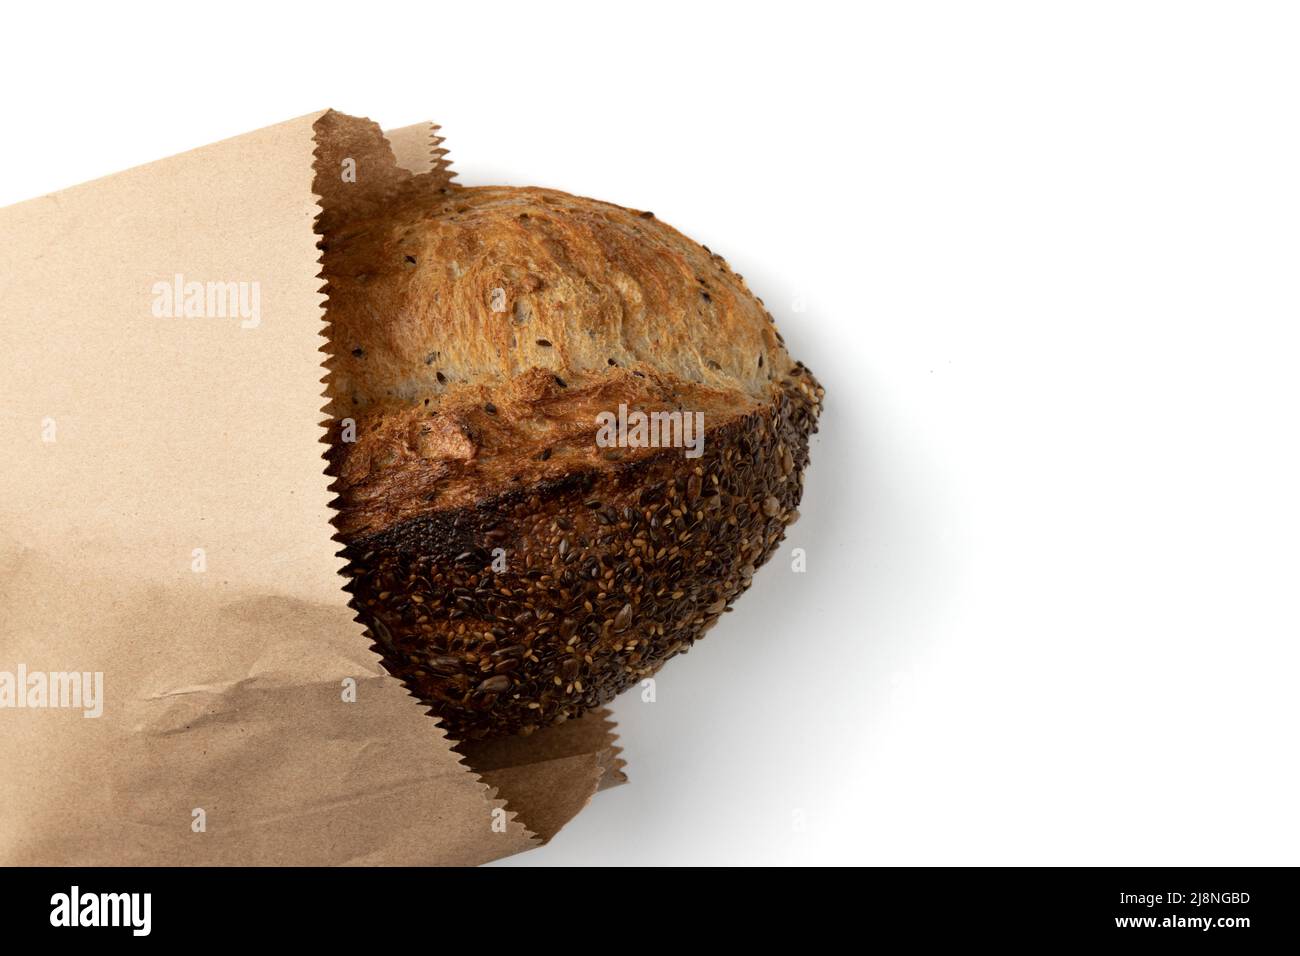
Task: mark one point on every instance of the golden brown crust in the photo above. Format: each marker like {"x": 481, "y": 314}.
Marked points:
{"x": 540, "y": 305}
{"x": 477, "y": 334}
{"x": 493, "y": 281}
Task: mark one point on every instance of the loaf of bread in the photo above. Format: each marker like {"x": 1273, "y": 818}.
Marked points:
{"x": 519, "y": 549}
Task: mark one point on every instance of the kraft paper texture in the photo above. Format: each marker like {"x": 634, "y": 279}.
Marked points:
{"x": 165, "y": 525}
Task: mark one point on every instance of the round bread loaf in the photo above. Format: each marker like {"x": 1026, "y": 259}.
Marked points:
{"x": 519, "y": 550}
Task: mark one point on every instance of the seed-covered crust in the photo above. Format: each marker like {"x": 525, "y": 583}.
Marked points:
{"x": 513, "y": 571}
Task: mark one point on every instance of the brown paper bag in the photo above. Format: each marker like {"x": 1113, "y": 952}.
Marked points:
{"x": 166, "y": 554}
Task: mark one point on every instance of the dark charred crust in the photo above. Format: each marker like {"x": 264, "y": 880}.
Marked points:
{"x": 608, "y": 574}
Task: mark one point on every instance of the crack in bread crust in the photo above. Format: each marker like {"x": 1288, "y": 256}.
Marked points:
{"x": 410, "y": 460}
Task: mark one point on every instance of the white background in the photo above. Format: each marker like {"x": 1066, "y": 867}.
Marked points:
{"x": 1047, "y": 260}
